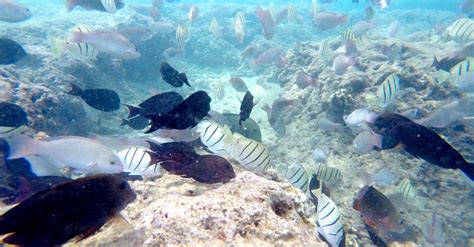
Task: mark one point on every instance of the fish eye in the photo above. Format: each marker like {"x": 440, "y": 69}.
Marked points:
{"x": 112, "y": 162}
{"x": 123, "y": 185}
{"x": 401, "y": 222}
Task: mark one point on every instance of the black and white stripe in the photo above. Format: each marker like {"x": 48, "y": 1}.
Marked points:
{"x": 462, "y": 30}
{"x": 213, "y": 136}
{"x": 463, "y": 67}
{"x": 251, "y": 154}
{"x": 328, "y": 174}
{"x": 137, "y": 161}
{"x": 388, "y": 89}
{"x": 109, "y": 5}
{"x": 298, "y": 177}
{"x": 329, "y": 221}
{"x": 406, "y": 189}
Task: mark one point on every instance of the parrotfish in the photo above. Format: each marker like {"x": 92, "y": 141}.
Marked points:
{"x": 327, "y": 20}
{"x": 304, "y": 80}
{"x": 10, "y": 51}
{"x": 11, "y": 11}
{"x": 342, "y": 62}
{"x": 268, "y": 24}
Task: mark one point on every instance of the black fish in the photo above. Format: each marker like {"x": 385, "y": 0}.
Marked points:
{"x": 136, "y": 123}
{"x": 172, "y": 76}
{"x": 77, "y": 208}
{"x": 446, "y": 63}
{"x": 249, "y": 127}
{"x": 100, "y": 99}
{"x": 186, "y": 115}
{"x": 10, "y": 51}
{"x": 246, "y": 107}
{"x": 11, "y": 117}
{"x": 157, "y": 104}
{"x": 421, "y": 142}
{"x": 180, "y": 159}
{"x": 33, "y": 186}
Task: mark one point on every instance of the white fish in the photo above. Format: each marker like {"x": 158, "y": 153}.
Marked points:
{"x": 359, "y": 117}
{"x": 463, "y": 74}
{"x": 342, "y": 63}
{"x": 433, "y": 230}
{"x": 181, "y": 36}
{"x": 218, "y": 89}
{"x": 329, "y": 221}
{"x": 251, "y": 154}
{"x": 298, "y": 177}
{"x": 444, "y": 115}
{"x": 215, "y": 29}
{"x": 461, "y": 31}
{"x": 137, "y": 161}
{"x": 79, "y": 50}
{"x": 406, "y": 189}
{"x": 392, "y": 30}
{"x": 328, "y": 174}
{"x": 215, "y": 137}
{"x": 239, "y": 27}
{"x": 84, "y": 154}
{"x": 320, "y": 155}
{"x": 11, "y": 11}
{"x": 109, "y": 42}
{"x": 387, "y": 91}
{"x": 380, "y": 176}
{"x": 365, "y": 141}
{"x": 325, "y": 52}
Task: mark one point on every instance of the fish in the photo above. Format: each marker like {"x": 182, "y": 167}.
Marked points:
{"x": 169, "y": 135}
{"x": 388, "y": 90}
{"x": 185, "y": 115}
{"x": 463, "y": 67}
{"x": 361, "y": 27}
{"x": 359, "y": 116}
{"x": 214, "y": 137}
{"x": 298, "y": 177}
{"x": 326, "y": 124}
{"x": 10, "y": 52}
{"x": 101, "y": 99}
{"x": 84, "y": 154}
{"x": 136, "y": 34}
{"x": 447, "y": 63}
{"x": 171, "y": 76}
{"x": 380, "y": 176}
{"x": 350, "y": 47}
{"x": 272, "y": 55}
{"x": 413, "y": 113}
{"x": 327, "y": 174}
{"x": 393, "y": 29}
{"x": 112, "y": 43}
{"x": 12, "y": 117}
{"x": 246, "y": 107}
{"x": 366, "y": 141}
{"x": 304, "y": 80}
{"x": 251, "y": 154}
{"x": 157, "y": 104}
{"x": 463, "y": 74}
{"x": 79, "y": 50}
{"x": 181, "y": 159}
{"x": 369, "y": 12}
{"x": 443, "y": 116}
{"x": 433, "y": 229}
{"x": 421, "y": 142}
{"x": 274, "y": 113}
{"x": 406, "y": 189}
{"x": 292, "y": 15}
{"x": 86, "y": 203}
{"x": 347, "y": 34}
{"x": 13, "y": 12}
{"x": 155, "y": 14}
{"x": 461, "y": 31}
{"x": 218, "y": 90}
{"x": 342, "y": 62}
{"x": 325, "y": 52}
{"x": 32, "y": 186}
{"x": 193, "y": 14}
{"x": 325, "y": 20}
{"x": 215, "y": 29}
{"x": 238, "y": 84}
{"x": 181, "y": 36}
{"x": 377, "y": 211}
{"x": 239, "y": 27}
{"x": 136, "y": 123}
{"x": 467, "y": 6}
{"x": 110, "y": 6}
{"x": 392, "y": 52}
{"x": 266, "y": 20}
{"x": 249, "y": 127}
{"x": 137, "y": 161}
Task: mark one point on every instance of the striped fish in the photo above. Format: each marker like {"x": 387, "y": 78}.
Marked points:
{"x": 239, "y": 27}
{"x": 215, "y": 137}
{"x": 463, "y": 67}
{"x": 78, "y": 50}
{"x": 109, "y": 5}
{"x": 181, "y": 36}
{"x": 250, "y": 154}
{"x": 406, "y": 189}
{"x": 325, "y": 52}
{"x": 329, "y": 221}
{"x": 461, "y": 31}
{"x": 136, "y": 160}
{"x": 292, "y": 16}
{"x": 328, "y": 174}
{"x": 219, "y": 90}
{"x": 215, "y": 29}
{"x": 388, "y": 90}
{"x": 347, "y": 34}
{"x": 298, "y": 177}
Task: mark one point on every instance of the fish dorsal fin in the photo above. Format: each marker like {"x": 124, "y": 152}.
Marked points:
{"x": 109, "y": 5}
{"x": 317, "y": 192}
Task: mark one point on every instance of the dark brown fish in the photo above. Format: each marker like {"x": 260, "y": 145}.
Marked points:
{"x": 73, "y": 209}
{"x": 446, "y": 63}
{"x": 180, "y": 159}
{"x": 421, "y": 142}
{"x": 172, "y": 76}
{"x": 246, "y": 107}
{"x": 33, "y": 186}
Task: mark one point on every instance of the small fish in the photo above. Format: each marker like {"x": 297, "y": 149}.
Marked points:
{"x": 238, "y": 84}
{"x": 218, "y": 89}
{"x": 239, "y": 27}
{"x": 249, "y": 127}
{"x": 362, "y": 27}
{"x": 215, "y": 29}
{"x": 181, "y": 36}
{"x": 110, "y": 6}
{"x": 421, "y": 142}
{"x": 215, "y": 137}
{"x": 325, "y": 20}
{"x": 304, "y": 80}
{"x": 320, "y": 155}
{"x": 246, "y": 107}
{"x": 274, "y": 113}
{"x": 136, "y": 123}
{"x": 342, "y": 62}
{"x": 393, "y": 29}
{"x": 325, "y": 52}
{"x": 101, "y": 99}
{"x": 155, "y": 14}
{"x": 157, "y": 104}
{"x": 267, "y": 22}
{"x": 347, "y": 34}
{"x": 392, "y": 52}
{"x": 461, "y": 31}
{"x": 193, "y": 14}
{"x": 84, "y": 154}
{"x": 86, "y": 203}
{"x": 406, "y": 189}
{"x": 13, "y": 12}
{"x": 380, "y": 176}
{"x": 443, "y": 116}
{"x": 298, "y": 177}
{"x": 271, "y": 56}
{"x": 137, "y": 161}
{"x": 327, "y": 174}
{"x": 369, "y": 12}
{"x": 185, "y": 115}
{"x": 326, "y": 124}
{"x": 447, "y": 63}
{"x": 463, "y": 67}
{"x": 388, "y": 90}
{"x": 112, "y": 43}
{"x": 10, "y": 52}
{"x": 250, "y": 154}
{"x": 172, "y": 76}
{"x": 433, "y": 229}
{"x": 350, "y": 47}
{"x": 12, "y": 117}
{"x": 359, "y": 116}
{"x": 377, "y": 211}
{"x": 180, "y": 159}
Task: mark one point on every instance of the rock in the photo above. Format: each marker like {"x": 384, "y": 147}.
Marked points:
{"x": 250, "y": 210}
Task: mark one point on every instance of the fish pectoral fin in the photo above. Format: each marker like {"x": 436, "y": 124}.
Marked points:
{"x": 92, "y": 164}
{"x": 121, "y": 224}
{"x": 89, "y": 232}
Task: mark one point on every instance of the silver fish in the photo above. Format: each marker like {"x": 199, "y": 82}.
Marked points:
{"x": 387, "y": 91}
{"x": 137, "y": 161}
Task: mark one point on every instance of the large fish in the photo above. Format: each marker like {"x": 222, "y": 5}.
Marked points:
{"x": 461, "y": 31}
{"x": 79, "y": 50}
{"x": 12, "y": 117}
{"x": 101, "y": 99}
{"x": 10, "y": 51}
{"x": 110, "y": 6}
{"x": 76, "y": 208}
{"x": 298, "y": 177}
{"x": 11, "y": 11}
{"x": 421, "y": 142}
{"x": 250, "y": 154}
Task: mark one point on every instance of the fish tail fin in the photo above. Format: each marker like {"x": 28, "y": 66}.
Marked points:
{"x": 75, "y": 90}
{"x": 21, "y": 146}
{"x": 183, "y": 77}
{"x": 124, "y": 122}
{"x": 70, "y": 4}
{"x": 57, "y": 45}
{"x": 132, "y": 110}
{"x": 266, "y": 108}
{"x": 435, "y": 62}
{"x": 156, "y": 123}
{"x": 468, "y": 169}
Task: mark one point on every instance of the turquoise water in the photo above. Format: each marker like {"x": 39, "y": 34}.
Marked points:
{"x": 312, "y": 70}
